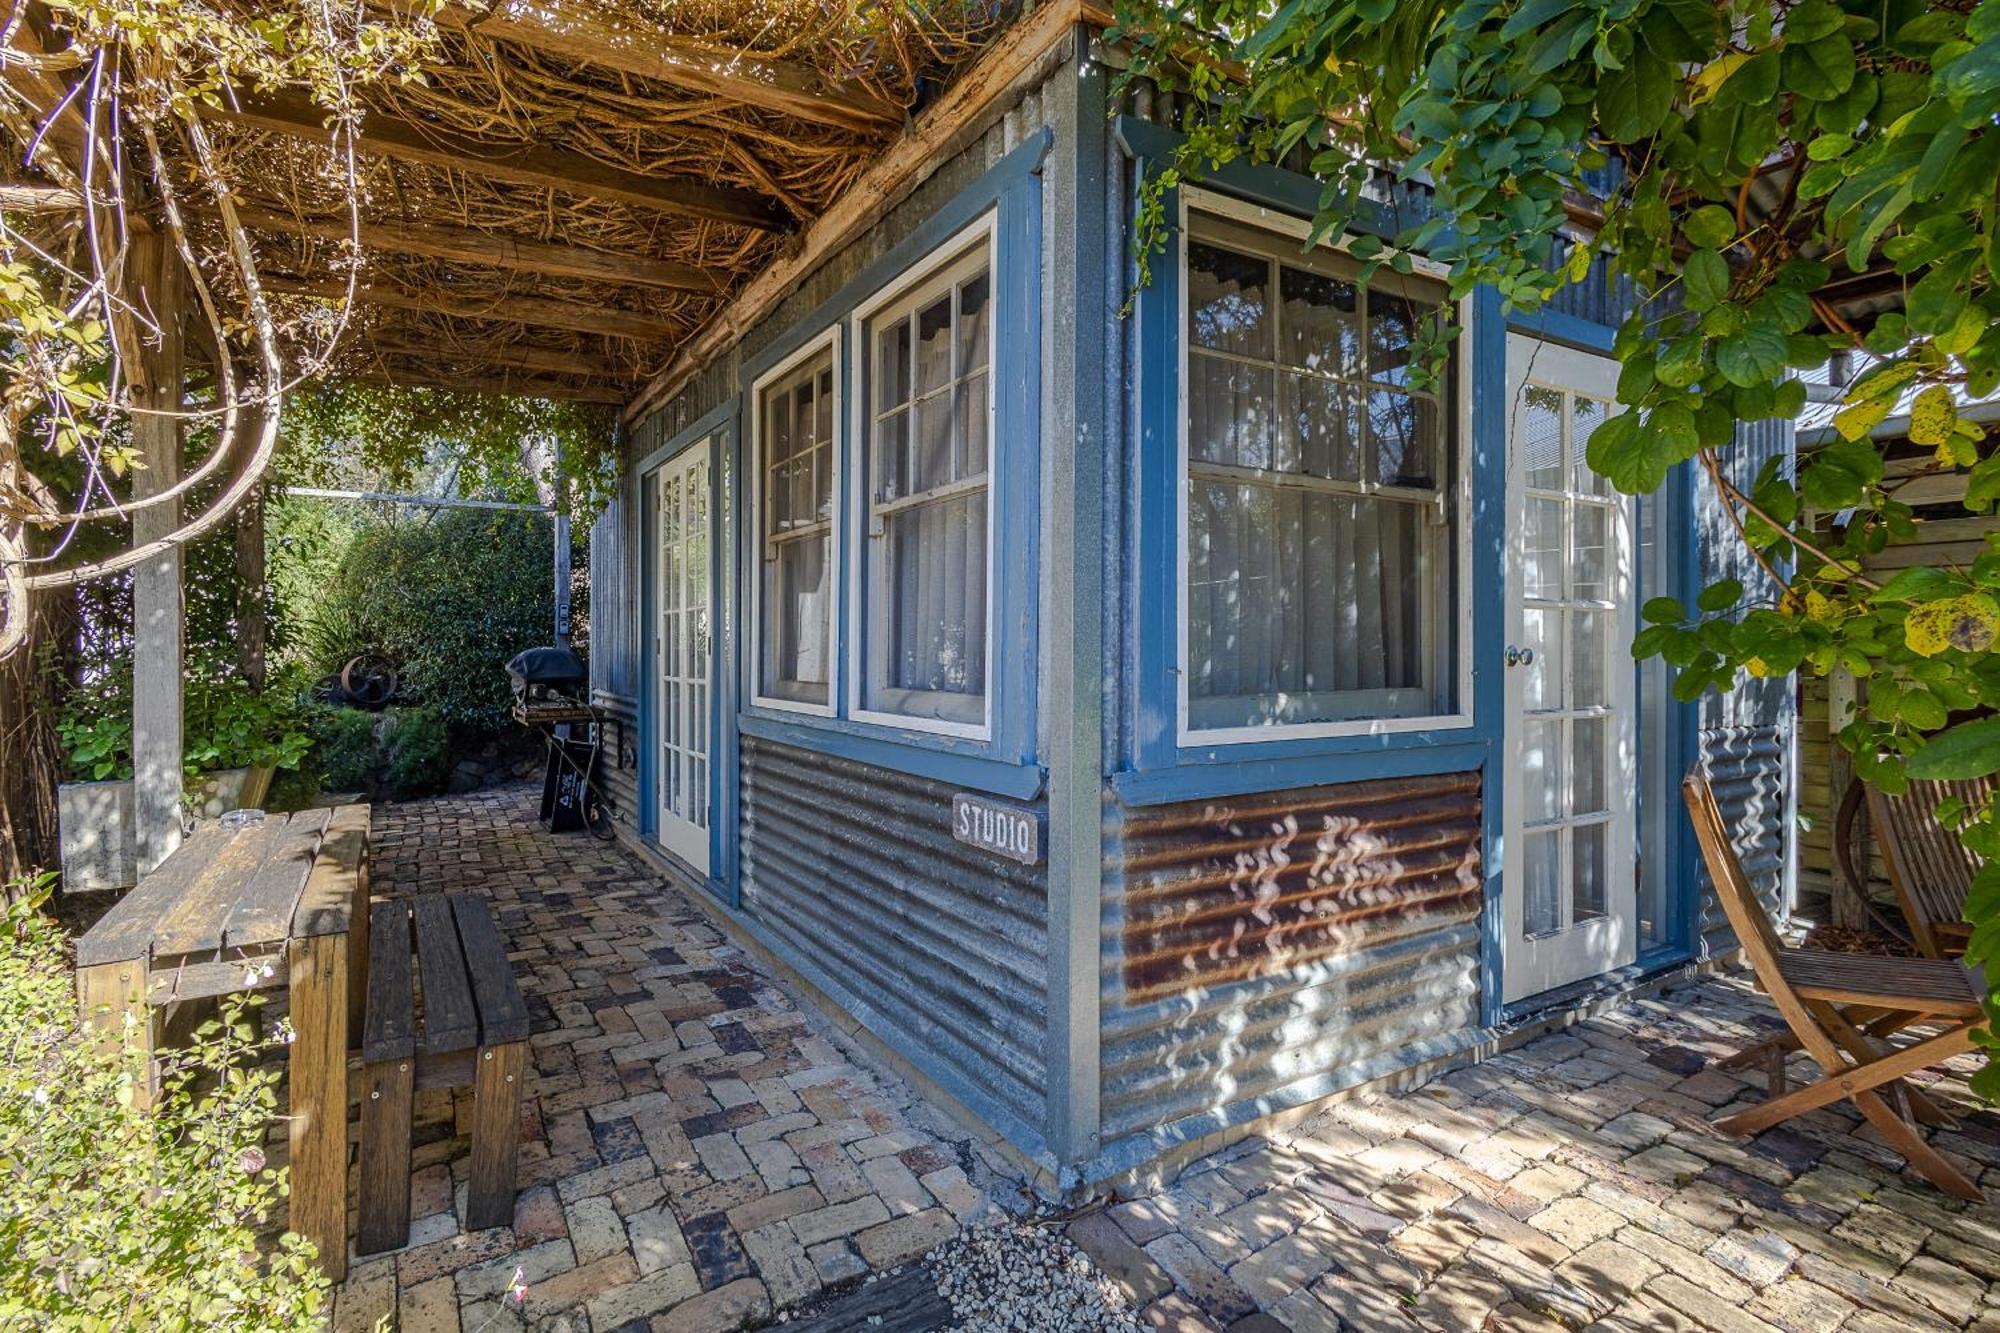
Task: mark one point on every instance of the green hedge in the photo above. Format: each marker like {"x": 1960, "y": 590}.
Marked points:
{"x": 447, "y": 596}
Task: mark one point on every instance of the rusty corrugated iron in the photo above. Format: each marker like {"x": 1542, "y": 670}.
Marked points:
{"x": 1221, "y": 891}
{"x": 1266, "y": 950}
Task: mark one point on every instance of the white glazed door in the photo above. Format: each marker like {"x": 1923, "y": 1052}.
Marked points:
{"x": 1570, "y": 789}
{"x": 683, "y": 655}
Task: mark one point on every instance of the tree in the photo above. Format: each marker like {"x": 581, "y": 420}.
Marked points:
{"x": 1753, "y": 163}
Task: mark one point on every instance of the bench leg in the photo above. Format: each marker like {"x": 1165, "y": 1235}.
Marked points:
{"x": 319, "y": 1097}
{"x": 112, "y": 998}
{"x": 386, "y": 1090}
{"x": 496, "y": 1132}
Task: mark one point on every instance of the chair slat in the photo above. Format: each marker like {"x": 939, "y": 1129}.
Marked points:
{"x": 503, "y": 1014}
{"x": 388, "y": 1028}
{"x": 450, "y": 1021}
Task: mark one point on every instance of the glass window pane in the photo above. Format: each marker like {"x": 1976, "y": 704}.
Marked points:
{"x": 1320, "y": 317}
{"x": 1538, "y": 435}
{"x": 1541, "y": 863}
{"x": 1228, "y": 300}
{"x": 1234, "y": 408}
{"x": 794, "y": 603}
{"x": 1541, "y": 675}
{"x": 934, "y": 617}
{"x": 1402, "y": 433}
{"x": 1589, "y": 872}
{"x": 1586, "y": 415}
{"x": 933, "y": 451}
{"x": 934, "y": 345}
{"x": 1542, "y": 550}
{"x": 973, "y": 410}
{"x": 972, "y": 313}
{"x": 1590, "y": 576}
{"x": 891, "y": 454}
{"x": 1392, "y": 325}
{"x": 1541, "y": 770}
{"x": 1322, "y": 427}
{"x": 892, "y": 365}
{"x": 1590, "y": 686}
{"x": 1589, "y": 765}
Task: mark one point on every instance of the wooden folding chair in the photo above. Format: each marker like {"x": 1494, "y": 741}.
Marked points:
{"x": 1929, "y": 868}
{"x": 1809, "y": 988}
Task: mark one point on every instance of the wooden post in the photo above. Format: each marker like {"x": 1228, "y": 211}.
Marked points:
{"x": 319, "y": 1096}
{"x": 153, "y": 286}
{"x": 496, "y": 1134}
{"x": 112, "y": 998}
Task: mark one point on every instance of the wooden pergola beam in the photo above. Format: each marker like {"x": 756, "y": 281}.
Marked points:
{"x": 516, "y": 386}
{"x": 468, "y": 245}
{"x": 571, "y": 31}
{"x": 539, "y": 311}
{"x": 512, "y": 357}
{"x": 1016, "y": 57}
{"x": 525, "y": 164}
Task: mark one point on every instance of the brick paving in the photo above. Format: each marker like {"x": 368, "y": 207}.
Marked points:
{"x": 1572, "y": 1182}
{"x": 702, "y": 1152}
{"x": 699, "y": 1151}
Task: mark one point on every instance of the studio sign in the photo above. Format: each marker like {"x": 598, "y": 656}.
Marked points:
{"x": 1004, "y": 830}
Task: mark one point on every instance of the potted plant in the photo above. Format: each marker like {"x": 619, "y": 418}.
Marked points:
{"x": 234, "y": 740}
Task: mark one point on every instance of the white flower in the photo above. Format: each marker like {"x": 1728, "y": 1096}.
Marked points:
{"x": 41, "y": 1096}
{"x": 267, "y": 972}
{"x": 250, "y": 979}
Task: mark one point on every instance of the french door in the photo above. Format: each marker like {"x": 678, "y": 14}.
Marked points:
{"x": 1570, "y": 790}
{"x": 683, "y": 653}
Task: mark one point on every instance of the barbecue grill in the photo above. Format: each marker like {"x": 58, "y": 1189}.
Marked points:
{"x": 550, "y": 697}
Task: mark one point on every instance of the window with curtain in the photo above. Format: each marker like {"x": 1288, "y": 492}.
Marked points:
{"x": 1318, "y": 525}
{"x": 930, "y": 407}
{"x": 795, "y": 421}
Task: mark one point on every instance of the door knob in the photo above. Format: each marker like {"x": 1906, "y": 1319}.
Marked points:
{"x": 1519, "y": 656}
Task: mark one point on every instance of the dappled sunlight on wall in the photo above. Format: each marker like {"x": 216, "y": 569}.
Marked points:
{"x": 1261, "y": 951}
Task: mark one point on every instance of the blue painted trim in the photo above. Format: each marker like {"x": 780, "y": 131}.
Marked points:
{"x": 648, "y": 815}
{"x": 1011, "y": 191}
{"x": 1558, "y": 327}
{"x": 866, "y": 745}
{"x": 715, "y": 419}
{"x": 1686, "y": 871}
{"x": 725, "y": 635}
{"x": 1154, "y": 766}
{"x": 1274, "y": 187}
{"x": 1488, "y": 350}
{"x": 1291, "y": 771}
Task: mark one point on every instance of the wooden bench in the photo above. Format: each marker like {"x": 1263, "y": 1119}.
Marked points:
{"x": 257, "y": 902}
{"x": 471, "y": 1029}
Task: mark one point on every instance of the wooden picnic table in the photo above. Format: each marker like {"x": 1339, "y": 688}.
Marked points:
{"x": 250, "y": 893}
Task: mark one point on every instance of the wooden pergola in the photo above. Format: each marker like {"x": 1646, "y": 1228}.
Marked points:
{"x": 582, "y": 200}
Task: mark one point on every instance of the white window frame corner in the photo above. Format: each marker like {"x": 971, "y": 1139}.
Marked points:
{"x": 934, "y": 262}
{"x": 829, "y": 339}
{"x": 1228, "y": 208}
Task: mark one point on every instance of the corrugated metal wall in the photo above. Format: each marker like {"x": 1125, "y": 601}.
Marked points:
{"x": 1262, "y": 951}
{"x": 615, "y": 646}
{"x": 938, "y": 947}
{"x": 1744, "y": 740}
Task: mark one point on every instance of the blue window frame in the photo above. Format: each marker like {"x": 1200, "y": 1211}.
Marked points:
{"x": 1165, "y": 760}
{"x": 906, "y": 723}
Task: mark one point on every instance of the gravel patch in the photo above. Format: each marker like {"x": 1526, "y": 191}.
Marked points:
{"x": 1016, "y": 1277}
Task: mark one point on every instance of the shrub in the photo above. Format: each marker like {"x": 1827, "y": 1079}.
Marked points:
{"x": 114, "y": 1217}
{"x": 419, "y": 746}
{"x": 449, "y": 598}
{"x": 346, "y": 740}
{"x": 226, "y": 724}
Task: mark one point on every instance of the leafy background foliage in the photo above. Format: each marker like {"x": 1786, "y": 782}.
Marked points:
{"x": 1745, "y": 156}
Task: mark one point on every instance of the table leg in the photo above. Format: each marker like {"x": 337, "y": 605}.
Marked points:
{"x": 112, "y": 997}
{"x": 319, "y": 1096}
